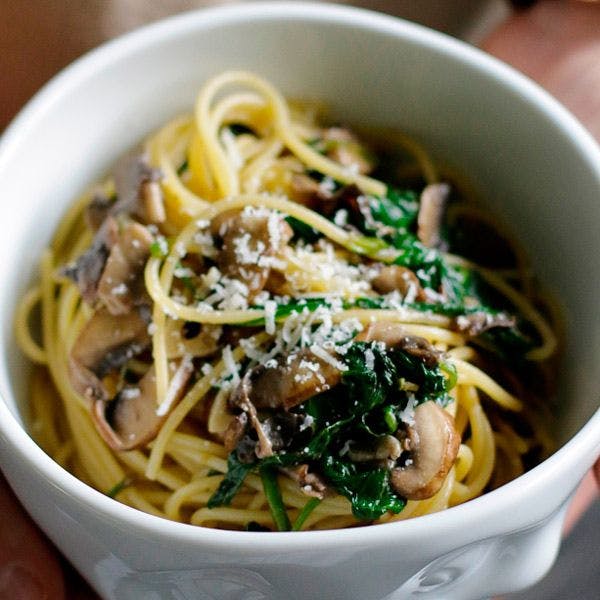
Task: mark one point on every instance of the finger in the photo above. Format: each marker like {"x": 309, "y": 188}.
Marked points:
{"x": 586, "y": 493}
{"x": 29, "y": 566}
{"x": 557, "y": 44}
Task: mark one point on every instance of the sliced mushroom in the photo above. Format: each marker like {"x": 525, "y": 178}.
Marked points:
{"x": 295, "y": 378}
{"x": 121, "y": 287}
{"x": 393, "y": 335}
{"x": 105, "y": 344}
{"x": 111, "y": 269}
{"x": 97, "y": 210}
{"x": 235, "y": 431}
{"x": 191, "y": 338}
{"x": 477, "y": 322}
{"x": 394, "y": 278}
{"x": 251, "y": 238}
{"x": 132, "y": 418}
{"x": 311, "y": 193}
{"x": 87, "y": 270}
{"x": 431, "y": 212}
{"x": 138, "y": 190}
{"x": 387, "y": 448}
{"x": 434, "y": 445}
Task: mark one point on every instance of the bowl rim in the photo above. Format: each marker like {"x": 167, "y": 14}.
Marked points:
{"x": 567, "y": 459}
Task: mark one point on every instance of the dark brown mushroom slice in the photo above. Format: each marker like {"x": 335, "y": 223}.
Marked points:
{"x": 393, "y": 335}
{"x": 121, "y": 285}
{"x": 296, "y": 377}
{"x": 87, "y": 270}
{"x": 434, "y": 444}
{"x": 431, "y": 212}
{"x": 475, "y": 323}
{"x": 105, "y": 344}
{"x": 132, "y": 418}
{"x": 98, "y": 210}
{"x": 248, "y": 240}
{"x": 137, "y": 185}
{"x": 394, "y": 278}
{"x": 311, "y": 193}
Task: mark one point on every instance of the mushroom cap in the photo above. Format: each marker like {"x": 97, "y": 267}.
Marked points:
{"x": 434, "y": 444}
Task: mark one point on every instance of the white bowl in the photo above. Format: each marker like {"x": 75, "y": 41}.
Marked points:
{"x": 532, "y": 160}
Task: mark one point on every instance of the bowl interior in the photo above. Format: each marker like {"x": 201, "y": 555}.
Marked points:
{"x": 528, "y": 160}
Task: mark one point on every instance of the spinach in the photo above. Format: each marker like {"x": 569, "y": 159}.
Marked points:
{"x": 228, "y": 488}
{"x": 370, "y": 377}
{"x": 398, "y": 209}
{"x": 302, "y": 231}
{"x": 116, "y": 489}
{"x": 367, "y": 489}
{"x": 391, "y": 222}
{"x": 365, "y": 406}
{"x": 240, "y": 128}
{"x": 305, "y": 513}
{"x": 183, "y": 167}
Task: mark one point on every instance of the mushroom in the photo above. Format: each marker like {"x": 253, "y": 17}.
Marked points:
{"x": 121, "y": 285}
{"x": 431, "y": 211}
{"x": 138, "y": 190}
{"x": 105, "y": 344}
{"x": 138, "y": 193}
{"x": 394, "y": 278}
{"x": 477, "y": 322}
{"x": 386, "y": 448}
{"x": 393, "y": 335}
{"x": 250, "y": 240}
{"x": 311, "y": 193}
{"x": 133, "y": 418}
{"x": 97, "y": 210}
{"x": 87, "y": 269}
{"x": 434, "y": 445}
{"x": 111, "y": 269}
{"x": 193, "y": 338}
{"x": 296, "y": 377}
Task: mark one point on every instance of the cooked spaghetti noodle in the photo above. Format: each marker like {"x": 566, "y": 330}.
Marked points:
{"x": 245, "y": 327}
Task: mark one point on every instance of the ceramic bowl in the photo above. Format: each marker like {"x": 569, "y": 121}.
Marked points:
{"x": 531, "y": 160}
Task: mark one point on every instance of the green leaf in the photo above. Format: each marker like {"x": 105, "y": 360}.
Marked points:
{"x": 370, "y": 376}
{"x": 232, "y": 481}
{"x": 368, "y": 490}
{"x": 398, "y": 209}
{"x": 303, "y": 231}
{"x": 305, "y": 513}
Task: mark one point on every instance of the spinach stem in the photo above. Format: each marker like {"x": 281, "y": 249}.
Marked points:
{"x": 305, "y": 512}
{"x": 273, "y": 496}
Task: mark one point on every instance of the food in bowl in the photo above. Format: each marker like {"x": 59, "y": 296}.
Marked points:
{"x": 265, "y": 321}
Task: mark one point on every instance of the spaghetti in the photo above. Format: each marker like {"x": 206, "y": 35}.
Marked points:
{"x": 245, "y": 327}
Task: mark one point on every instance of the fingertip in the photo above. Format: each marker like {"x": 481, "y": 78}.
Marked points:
{"x": 29, "y": 564}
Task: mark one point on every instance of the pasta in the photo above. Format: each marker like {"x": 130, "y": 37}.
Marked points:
{"x": 255, "y": 323}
